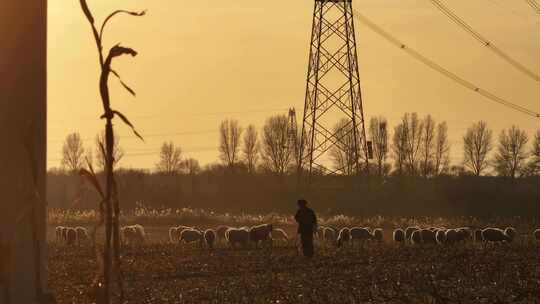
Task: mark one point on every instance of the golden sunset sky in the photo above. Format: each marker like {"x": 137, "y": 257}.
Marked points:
{"x": 202, "y": 61}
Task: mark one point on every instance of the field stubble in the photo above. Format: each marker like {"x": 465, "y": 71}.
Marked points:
{"x": 377, "y": 273}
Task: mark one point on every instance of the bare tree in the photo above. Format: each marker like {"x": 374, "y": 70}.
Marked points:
{"x": 89, "y": 156}
{"x": 73, "y": 152}
{"x": 399, "y": 149}
{"x": 276, "y": 153}
{"x": 251, "y": 148}
{"x": 511, "y": 152}
{"x": 191, "y": 166}
{"x": 229, "y": 141}
{"x": 170, "y": 159}
{"x": 442, "y": 150}
{"x": 413, "y": 129}
{"x": 345, "y": 153}
{"x": 477, "y": 143}
{"x": 407, "y": 143}
{"x": 427, "y": 148}
{"x": 533, "y": 167}
{"x": 117, "y": 151}
{"x": 379, "y": 136}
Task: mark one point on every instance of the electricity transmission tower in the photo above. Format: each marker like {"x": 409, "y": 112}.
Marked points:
{"x": 333, "y": 94}
{"x": 293, "y": 141}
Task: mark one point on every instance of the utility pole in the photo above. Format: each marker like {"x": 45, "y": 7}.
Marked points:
{"x": 23, "y": 155}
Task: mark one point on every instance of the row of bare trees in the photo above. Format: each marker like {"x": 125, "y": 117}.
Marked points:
{"x": 171, "y": 161}
{"x": 512, "y": 158}
{"x": 75, "y": 156}
{"x": 271, "y": 152}
{"x": 418, "y": 147}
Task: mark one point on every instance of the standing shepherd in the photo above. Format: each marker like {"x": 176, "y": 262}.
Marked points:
{"x": 307, "y": 225}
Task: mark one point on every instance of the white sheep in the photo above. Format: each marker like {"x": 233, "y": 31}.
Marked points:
{"x": 428, "y": 236}
{"x": 409, "y": 231}
{"x": 140, "y": 234}
{"x": 344, "y": 236}
{"x": 210, "y": 238}
{"x": 377, "y": 234}
{"x": 398, "y": 235}
{"x": 133, "y": 234}
{"x": 478, "y": 235}
{"x": 82, "y": 234}
{"x": 128, "y": 235}
{"x": 329, "y": 235}
{"x": 173, "y": 234}
{"x": 440, "y": 236}
{"x": 280, "y": 235}
{"x": 191, "y": 236}
{"x": 319, "y": 232}
{"x": 495, "y": 235}
{"x": 453, "y": 236}
{"x": 510, "y": 232}
{"x": 416, "y": 237}
{"x": 237, "y": 236}
{"x": 356, "y": 235}
{"x": 175, "y": 231}
{"x": 536, "y": 234}
{"x": 220, "y": 232}
{"x": 71, "y": 236}
{"x": 261, "y": 233}
{"x": 58, "y": 233}
{"x": 65, "y": 234}
{"x": 465, "y": 233}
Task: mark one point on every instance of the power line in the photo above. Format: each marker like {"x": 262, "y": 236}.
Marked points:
{"x": 161, "y": 115}
{"x": 149, "y": 135}
{"x": 445, "y": 10}
{"x": 534, "y": 5}
{"x": 430, "y": 63}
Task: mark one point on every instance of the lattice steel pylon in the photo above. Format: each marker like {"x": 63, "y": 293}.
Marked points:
{"x": 332, "y": 145}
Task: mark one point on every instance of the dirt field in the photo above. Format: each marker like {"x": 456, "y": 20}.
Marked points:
{"x": 378, "y": 273}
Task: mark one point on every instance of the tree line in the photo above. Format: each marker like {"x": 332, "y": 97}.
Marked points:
{"x": 416, "y": 147}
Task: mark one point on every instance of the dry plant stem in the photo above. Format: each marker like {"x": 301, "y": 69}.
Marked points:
{"x": 110, "y": 195}
{"x": 91, "y": 177}
{"x": 116, "y": 243}
{"x": 109, "y": 141}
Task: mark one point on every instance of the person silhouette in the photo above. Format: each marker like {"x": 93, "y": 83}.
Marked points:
{"x": 307, "y": 225}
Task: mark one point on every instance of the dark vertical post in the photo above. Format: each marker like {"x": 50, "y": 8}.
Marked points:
{"x": 23, "y": 153}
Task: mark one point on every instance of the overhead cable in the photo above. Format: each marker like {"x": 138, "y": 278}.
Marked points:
{"x": 430, "y": 63}
{"x": 445, "y": 10}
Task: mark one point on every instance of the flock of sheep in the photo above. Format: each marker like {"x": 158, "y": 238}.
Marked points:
{"x": 235, "y": 237}
{"x": 71, "y": 235}
{"x": 245, "y": 237}
{"x": 441, "y": 235}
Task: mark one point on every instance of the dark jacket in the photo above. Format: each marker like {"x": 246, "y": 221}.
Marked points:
{"x": 306, "y": 219}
